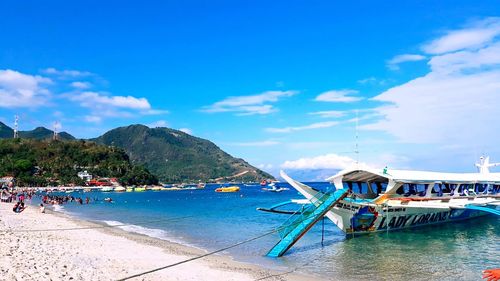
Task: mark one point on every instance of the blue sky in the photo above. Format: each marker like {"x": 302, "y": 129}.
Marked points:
{"x": 278, "y": 83}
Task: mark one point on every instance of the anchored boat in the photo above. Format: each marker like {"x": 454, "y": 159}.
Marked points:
{"x": 233, "y": 188}
{"x": 367, "y": 200}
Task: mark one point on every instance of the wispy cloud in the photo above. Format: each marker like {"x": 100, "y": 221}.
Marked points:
{"x": 329, "y": 114}
{"x": 367, "y": 80}
{"x": 327, "y": 161}
{"x": 475, "y": 35}
{"x": 249, "y": 105}
{"x": 345, "y": 95}
{"x": 318, "y": 125}
{"x": 256, "y": 143}
{"x": 393, "y": 63}
{"x": 66, "y": 73}
{"x": 152, "y": 111}
{"x": 157, "y": 124}
{"x": 80, "y": 85}
{"x": 93, "y": 118}
{"x": 457, "y": 100}
{"x": 93, "y": 99}
{"x": 23, "y": 90}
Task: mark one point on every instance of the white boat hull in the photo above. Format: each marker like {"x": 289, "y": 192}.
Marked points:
{"x": 358, "y": 219}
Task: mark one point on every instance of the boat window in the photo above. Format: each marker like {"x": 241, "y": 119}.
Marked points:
{"x": 421, "y": 189}
{"x": 362, "y": 187}
{"x": 378, "y": 187}
{"x": 446, "y": 187}
{"x": 480, "y": 187}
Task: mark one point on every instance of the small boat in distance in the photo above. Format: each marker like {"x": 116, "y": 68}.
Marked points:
{"x": 107, "y": 189}
{"x": 119, "y": 189}
{"x": 272, "y": 187}
{"x": 233, "y": 188}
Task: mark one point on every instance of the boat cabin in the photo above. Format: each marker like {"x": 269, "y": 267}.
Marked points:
{"x": 368, "y": 183}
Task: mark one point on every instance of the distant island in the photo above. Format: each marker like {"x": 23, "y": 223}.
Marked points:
{"x": 134, "y": 154}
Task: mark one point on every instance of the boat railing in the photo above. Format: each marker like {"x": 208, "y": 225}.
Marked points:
{"x": 301, "y": 214}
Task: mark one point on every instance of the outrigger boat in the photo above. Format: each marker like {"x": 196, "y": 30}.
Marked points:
{"x": 273, "y": 188}
{"x": 368, "y": 200}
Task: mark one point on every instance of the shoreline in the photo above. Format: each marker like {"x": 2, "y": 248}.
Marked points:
{"x": 107, "y": 253}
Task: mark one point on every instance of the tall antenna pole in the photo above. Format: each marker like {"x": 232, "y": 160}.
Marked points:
{"x": 55, "y": 131}
{"x": 357, "y": 146}
{"x": 16, "y": 131}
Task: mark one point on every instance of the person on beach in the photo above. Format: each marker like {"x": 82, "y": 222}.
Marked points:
{"x": 18, "y": 207}
{"x": 42, "y": 208}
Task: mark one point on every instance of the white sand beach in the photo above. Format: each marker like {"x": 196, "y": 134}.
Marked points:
{"x": 103, "y": 253}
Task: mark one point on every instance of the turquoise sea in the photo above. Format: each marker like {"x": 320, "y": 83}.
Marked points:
{"x": 210, "y": 220}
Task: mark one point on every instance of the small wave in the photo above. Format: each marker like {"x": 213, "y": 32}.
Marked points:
{"x": 151, "y": 232}
{"x": 58, "y": 208}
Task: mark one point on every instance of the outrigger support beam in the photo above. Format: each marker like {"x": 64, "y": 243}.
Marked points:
{"x": 299, "y": 224}
{"x": 484, "y": 209}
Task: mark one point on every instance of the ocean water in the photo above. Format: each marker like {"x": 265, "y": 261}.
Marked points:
{"x": 210, "y": 220}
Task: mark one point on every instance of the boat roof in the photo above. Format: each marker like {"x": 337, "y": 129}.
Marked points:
{"x": 363, "y": 173}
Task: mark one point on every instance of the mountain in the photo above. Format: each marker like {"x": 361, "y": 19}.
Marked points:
{"x": 39, "y": 133}
{"x": 42, "y": 133}
{"x": 5, "y": 131}
{"x": 175, "y": 156}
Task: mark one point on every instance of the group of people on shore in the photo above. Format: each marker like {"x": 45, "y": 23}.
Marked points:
{"x": 20, "y": 197}
{"x": 62, "y": 199}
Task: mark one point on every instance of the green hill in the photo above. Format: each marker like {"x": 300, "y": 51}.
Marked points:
{"x": 42, "y": 133}
{"x": 38, "y": 163}
{"x": 175, "y": 156}
{"x": 39, "y": 133}
{"x": 5, "y": 131}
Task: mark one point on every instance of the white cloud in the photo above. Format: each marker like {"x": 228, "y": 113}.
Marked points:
{"x": 93, "y": 119}
{"x": 474, "y": 36}
{"x": 23, "y": 90}
{"x": 93, "y": 99}
{"x": 395, "y": 61}
{"x": 367, "y": 80}
{"x": 328, "y": 161}
{"x": 301, "y": 128}
{"x": 186, "y": 130}
{"x": 344, "y": 95}
{"x": 66, "y": 73}
{"x": 256, "y": 143}
{"x": 265, "y": 166}
{"x": 329, "y": 114}
{"x": 466, "y": 60}
{"x": 154, "y": 112}
{"x": 456, "y": 102}
{"x": 157, "y": 124}
{"x": 81, "y": 85}
{"x": 249, "y": 105}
